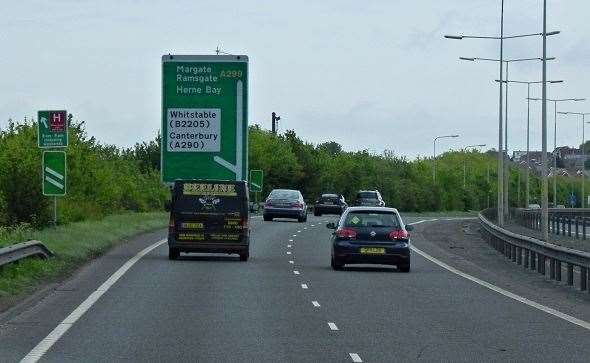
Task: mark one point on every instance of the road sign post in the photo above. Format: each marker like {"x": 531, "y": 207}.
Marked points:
{"x": 255, "y": 180}
{"x": 204, "y": 117}
{"x": 54, "y": 176}
{"x": 52, "y": 129}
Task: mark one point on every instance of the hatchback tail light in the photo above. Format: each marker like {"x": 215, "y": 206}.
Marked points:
{"x": 298, "y": 205}
{"x": 268, "y": 203}
{"x": 346, "y": 233}
{"x": 399, "y": 235}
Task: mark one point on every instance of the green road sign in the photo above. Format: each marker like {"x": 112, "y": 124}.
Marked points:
{"x": 255, "y": 180}
{"x": 204, "y": 117}
{"x": 54, "y": 173}
{"x": 52, "y": 129}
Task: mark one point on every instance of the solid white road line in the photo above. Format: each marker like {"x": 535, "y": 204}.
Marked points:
{"x": 332, "y": 326}
{"x": 304, "y": 286}
{"x": 39, "y": 351}
{"x": 316, "y": 304}
{"x": 295, "y": 272}
{"x": 355, "y": 357}
{"x": 533, "y": 304}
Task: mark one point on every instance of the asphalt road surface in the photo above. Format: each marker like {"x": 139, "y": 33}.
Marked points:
{"x": 287, "y": 305}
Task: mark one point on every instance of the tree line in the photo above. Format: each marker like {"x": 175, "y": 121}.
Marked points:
{"x": 105, "y": 179}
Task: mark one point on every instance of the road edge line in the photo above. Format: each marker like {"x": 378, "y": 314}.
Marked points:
{"x": 44, "y": 345}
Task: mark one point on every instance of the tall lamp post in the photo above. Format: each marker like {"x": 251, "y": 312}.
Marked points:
{"x": 434, "y": 154}
{"x": 465, "y": 162}
{"x": 555, "y": 101}
{"x": 528, "y": 119}
{"x": 501, "y": 38}
{"x": 506, "y": 173}
{"x": 583, "y": 148}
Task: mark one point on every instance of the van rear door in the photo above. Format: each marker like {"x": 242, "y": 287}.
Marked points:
{"x": 211, "y": 211}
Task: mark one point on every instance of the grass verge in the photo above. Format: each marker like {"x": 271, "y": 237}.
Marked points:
{"x": 73, "y": 244}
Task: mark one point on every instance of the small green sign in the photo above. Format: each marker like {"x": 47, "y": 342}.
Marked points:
{"x": 204, "y": 117}
{"x": 255, "y": 180}
{"x": 52, "y": 129}
{"x": 54, "y": 173}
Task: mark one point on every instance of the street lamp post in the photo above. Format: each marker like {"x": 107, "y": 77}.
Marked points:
{"x": 583, "y": 149}
{"x": 465, "y": 162}
{"x": 500, "y": 146}
{"x": 528, "y": 119}
{"x": 506, "y": 171}
{"x": 555, "y": 101}
{"x": 434, "y": 154}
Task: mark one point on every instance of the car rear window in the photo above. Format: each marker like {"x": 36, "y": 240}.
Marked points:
{"x": 371, "y": 219}
{"x": 284, "y": 194}
{"x": 366, "y": 195}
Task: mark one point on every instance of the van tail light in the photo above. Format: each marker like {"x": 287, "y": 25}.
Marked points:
{"x": 399, "y": 235}
{"x": 346, "y": 233}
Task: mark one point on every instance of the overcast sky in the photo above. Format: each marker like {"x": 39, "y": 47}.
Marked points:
{"x": 368, "y": 74}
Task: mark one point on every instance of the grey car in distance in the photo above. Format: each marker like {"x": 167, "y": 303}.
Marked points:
{"x": 285, "y": 203}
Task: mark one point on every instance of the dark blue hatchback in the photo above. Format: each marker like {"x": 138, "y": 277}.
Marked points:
{"x": 371, "y": 235}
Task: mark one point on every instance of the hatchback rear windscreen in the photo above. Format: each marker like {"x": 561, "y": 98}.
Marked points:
{"x": 366, "y": 195}
{"x": 371, "y": 219}
{"x": 284, "y": 194}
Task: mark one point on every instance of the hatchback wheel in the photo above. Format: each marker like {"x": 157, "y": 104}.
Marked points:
{"x": 336, "y": 265}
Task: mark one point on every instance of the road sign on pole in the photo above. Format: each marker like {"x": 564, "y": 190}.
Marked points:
{"x": 204, "y": 117}
{"x": 255, "y": 180}
{"x": 54, "y": 173}
{"x": 52, "y": 129}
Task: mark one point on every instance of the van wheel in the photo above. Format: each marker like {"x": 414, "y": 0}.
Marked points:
{"x": 244, "y": 256}
{"x": 317, "y": 214}
{"x": 405, "y": 268}
{"x": 267, "y": 218}
{"x": 173, "y": 253}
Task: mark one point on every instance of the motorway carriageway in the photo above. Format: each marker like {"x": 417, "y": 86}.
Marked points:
{"x": 287, "y": 305}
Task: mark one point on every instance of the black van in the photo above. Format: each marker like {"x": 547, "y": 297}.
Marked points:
{"x": 209, "y": 216}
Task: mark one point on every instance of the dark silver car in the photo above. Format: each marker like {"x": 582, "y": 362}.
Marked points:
{"x": 285, "y": 203}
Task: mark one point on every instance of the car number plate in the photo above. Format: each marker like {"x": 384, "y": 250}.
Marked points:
{"x": 372, "y": 251}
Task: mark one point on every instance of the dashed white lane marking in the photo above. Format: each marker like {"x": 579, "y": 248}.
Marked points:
{"x": 291, "y": 262}
{"x": 304, "y": 286}
{"x": 290, "y": 240}
{"x": 288, "y": 246}
{"x": 355, "y": 357}
{"x": 39, "y": 351}
{"x": 299, "y": 231}
{"x": 499, "y": 290}
{"x": 288, "y": 252}
{"x": 332, "y": 326}
{"x": 316, "y": 304}
{"x": 296, "y": 272}
{"x": 304, "y": 228}
{"x": 313, "y": 225}
{"x": 294, "y": 235}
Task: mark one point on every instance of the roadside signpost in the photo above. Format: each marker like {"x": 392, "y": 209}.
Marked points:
{"x": 54, "y": 177}
{"x": 204, "y": 117}
{"x": 52, "y": 129}
{"x": 255, "y": 184}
